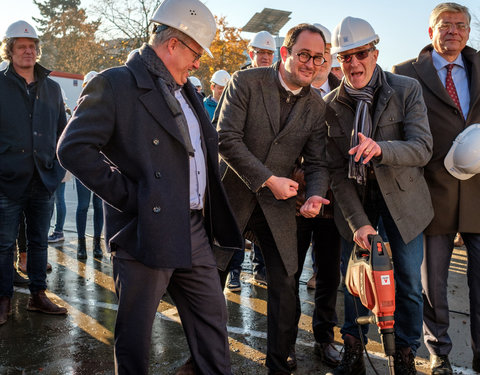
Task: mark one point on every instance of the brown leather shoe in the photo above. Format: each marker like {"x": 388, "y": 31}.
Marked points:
{"x": 22, "y": 262}
{"x": 188, "y": 368}
{"x": 39, "y": 301}
{"x": 5, "y": 309}
{"x": 292, "y": 360}
{"x": 440, "y": 365}
{"x": 312, "y": 282}
{"x": 328, "y": 353}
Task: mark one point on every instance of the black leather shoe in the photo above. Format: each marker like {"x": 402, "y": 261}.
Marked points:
{"x": 404, "y": 362}
{"x": 97, "y": 248}
{"x": 440, "y": 365}
{"x": 5, "y": 309}
{"x": 328, "y": 353}
{"x": 292, "y": 360}
{"x": 352, "y": 360}
{"x": 476, "y": 363}
{"x": 81, "y": 249}
{"x": 188, "y": 368}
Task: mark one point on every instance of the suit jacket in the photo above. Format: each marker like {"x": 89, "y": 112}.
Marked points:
{"x": 456, "y": 202}
{"x": 400, "y": 127}
{"x": 28, "y": 138}
{"x": 253, "y": 147}
{"x": 124, "y": 144}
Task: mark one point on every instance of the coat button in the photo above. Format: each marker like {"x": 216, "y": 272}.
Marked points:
{"x": 156, "y": 209}
{"x": 158, "y": 174}
{"x": 155, "y": 142}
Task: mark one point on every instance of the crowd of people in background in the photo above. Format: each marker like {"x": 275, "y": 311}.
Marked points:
{"x": 320, "y": 149}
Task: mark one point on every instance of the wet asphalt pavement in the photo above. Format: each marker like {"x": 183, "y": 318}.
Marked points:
{"x": 82, "y": 341}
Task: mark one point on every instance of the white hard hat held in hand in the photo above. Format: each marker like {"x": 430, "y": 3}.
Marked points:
{"x": 463, "y": 159}
{"x": 88, "y": 77}
{"x": 352, "y": 33}
{"x": 191, "y": 17}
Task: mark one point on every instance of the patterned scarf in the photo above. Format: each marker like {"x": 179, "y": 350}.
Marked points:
{"x": 167, "y": 86}
{"x": 362, "y": 122}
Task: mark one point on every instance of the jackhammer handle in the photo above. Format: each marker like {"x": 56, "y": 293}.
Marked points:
{"x": 362, "y": 320}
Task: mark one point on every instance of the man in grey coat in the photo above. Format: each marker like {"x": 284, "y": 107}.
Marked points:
{"x": 456, "y": 202}
{"x": 141, "y": 140}
{"x": 269, "y": 118}
{"x": 378, "y": 142}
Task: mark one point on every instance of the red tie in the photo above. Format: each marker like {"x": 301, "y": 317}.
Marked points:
{"x": 450, "y": 86}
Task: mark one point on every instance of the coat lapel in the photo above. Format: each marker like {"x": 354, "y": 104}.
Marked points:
{"x": 271, "y": 100}
{"x": 386, "y": 92}
{"x": 300, "y": 109}
{"x": 473, "y": 62}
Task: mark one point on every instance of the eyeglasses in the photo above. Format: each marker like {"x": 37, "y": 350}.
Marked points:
{"x": 360, "y": 55}
{"x": 197, "y": 55}
{"x": 263, "y": 52}
{"x": 447, "y": 26}
{"x": 304, "y": 57}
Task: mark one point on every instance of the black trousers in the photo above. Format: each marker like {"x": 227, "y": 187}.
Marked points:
{"x": 325, "y": 239}
{"x": 281, "y": 296}
{"x": 198, "y": 298}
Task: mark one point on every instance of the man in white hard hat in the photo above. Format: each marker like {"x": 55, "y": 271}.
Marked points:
{"x": 32, "y": 118}
{"x": 448, "y": 71}
{"x": 268, "y": 119}
{"x": 218, "y": 82}
{"x": 261, "y": 49}
{"x": 336, "y": 69}
{"x": 378, "y": 142}
{"x": 141, "y": 140}
{"x": 198, "y": 85}
{"x": 322, "y": 233}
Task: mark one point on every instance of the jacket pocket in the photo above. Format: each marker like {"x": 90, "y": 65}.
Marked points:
{"x": 408, "y": 177}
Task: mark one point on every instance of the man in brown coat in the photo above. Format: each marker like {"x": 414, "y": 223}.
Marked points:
{"x": 456, "y": 202}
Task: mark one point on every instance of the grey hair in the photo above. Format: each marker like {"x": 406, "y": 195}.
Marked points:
{"x": 163, "y": 33}
{"x": 447, "y": 7}
{"x": 6, "y": 49}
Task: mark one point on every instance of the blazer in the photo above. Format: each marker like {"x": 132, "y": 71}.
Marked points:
{"x": 28, "y": 138}
{"x": 456, "y": 202}
{"x": 400, "y": 127}
{"x": 124, "y": 144}
{"x": 253, "y": 147}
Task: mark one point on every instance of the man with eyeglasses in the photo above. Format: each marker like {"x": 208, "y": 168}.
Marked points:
{"x": 449, "y": 73}
{"x": 261, "y": 49}
{"x": 142, "y": 141}
{"x": 269, "y": 118}
{"x": 378, "y": 142}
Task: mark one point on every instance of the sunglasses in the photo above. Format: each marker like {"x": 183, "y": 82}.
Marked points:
{"x": 360, "y": 55}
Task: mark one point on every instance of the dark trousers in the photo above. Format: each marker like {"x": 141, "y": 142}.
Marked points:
{"x": 325, "y": 239}
{"x": 37, "y": 205}
{"x": 83, "y": 196}
{"x": 281, "y": 296}
{"x": 198, "y": 298}
{"x": 438, "y": 253}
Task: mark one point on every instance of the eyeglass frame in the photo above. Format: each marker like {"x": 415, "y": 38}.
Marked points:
{"x": 447, "y": 26}
{"x": 198, "y": 56}
{"x": 263, "y": 52}
{"x": 347, "y": 59}
{"x": 303, "y": 53}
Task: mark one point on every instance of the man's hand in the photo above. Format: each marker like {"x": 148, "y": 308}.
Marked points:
{"x": 312, "y": 206}
{"x": 282, "y": 187}
{"x": 361, "y": 236}
{"x": 366, "y": 147}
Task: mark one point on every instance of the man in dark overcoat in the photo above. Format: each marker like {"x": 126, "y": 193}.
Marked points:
{"x": 141, "y": 140}
{"x": 269, "y": 118}
{"x": 456, "y": 202}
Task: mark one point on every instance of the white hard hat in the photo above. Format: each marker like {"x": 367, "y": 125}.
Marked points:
{"x": 263, "y": 40}
{"x": 191, "y": 17}
{"x": 3, "y": 65}
{"x": 463, "y": 159}
{"x": 220, "y": 77}
{"x": 325, "y": 31}
{"x": 21, "y": 29}
{"x": 351, "y": 33}
{"x": 88, "y": 77}
{"x": 195, "y": 81}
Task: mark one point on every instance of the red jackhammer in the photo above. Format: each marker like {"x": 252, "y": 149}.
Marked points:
{"x": 370, "y": 277}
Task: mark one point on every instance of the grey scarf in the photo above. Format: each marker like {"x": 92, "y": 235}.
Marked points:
{"x": 167, "y": 86}
{"x": 362, "y": 122}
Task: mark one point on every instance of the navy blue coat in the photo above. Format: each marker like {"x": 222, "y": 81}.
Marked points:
{"x": 28, "y": 139}
{"x": 123, "y": 143}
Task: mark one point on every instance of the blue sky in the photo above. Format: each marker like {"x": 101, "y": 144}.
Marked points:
{"x": 401, "y": 25}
